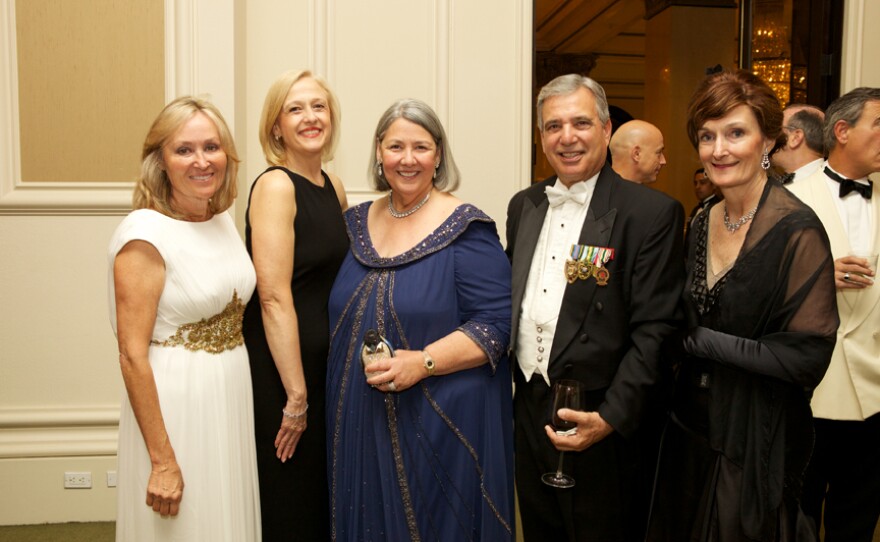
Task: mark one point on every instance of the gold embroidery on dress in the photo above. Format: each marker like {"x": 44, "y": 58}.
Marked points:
{"x": 216, "y": 334}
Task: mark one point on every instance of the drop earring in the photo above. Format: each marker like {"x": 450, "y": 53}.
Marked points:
{"x": 765, "y": 161}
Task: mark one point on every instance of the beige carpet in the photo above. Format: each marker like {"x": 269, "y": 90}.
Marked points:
{"x": 59, "y": 532}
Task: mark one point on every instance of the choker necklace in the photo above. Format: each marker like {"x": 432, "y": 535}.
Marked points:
{"x": 739, "y": 223}
{"x": 403, "y": 214}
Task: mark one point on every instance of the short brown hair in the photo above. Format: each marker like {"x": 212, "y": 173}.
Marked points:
{"x": 153, "y": 189}
{"x": 719, "y": 93}
{"x": 273, "y": 149}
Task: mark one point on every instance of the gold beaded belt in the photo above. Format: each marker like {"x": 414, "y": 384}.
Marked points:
{"x": 216, "y": 334}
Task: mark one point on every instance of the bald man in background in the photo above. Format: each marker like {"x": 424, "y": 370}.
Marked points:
{"x": 637, "y": 151}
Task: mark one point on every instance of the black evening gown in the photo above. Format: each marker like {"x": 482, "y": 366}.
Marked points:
{"x": 758, "y": 341}
{"x": 294, "y": 495}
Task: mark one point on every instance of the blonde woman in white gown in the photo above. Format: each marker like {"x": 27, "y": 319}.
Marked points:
{"x": 179, "y": 281}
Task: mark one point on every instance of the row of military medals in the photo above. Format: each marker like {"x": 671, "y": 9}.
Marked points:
{"x": 588, "y": 261}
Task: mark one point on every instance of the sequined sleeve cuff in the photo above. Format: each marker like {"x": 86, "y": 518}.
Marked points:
{"x": 487, "y": 338}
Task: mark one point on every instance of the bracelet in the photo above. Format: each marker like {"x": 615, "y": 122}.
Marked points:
{"x": 294, "y": 416}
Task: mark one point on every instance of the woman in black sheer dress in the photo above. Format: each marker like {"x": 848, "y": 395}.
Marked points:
{"x": 762, "y": 320}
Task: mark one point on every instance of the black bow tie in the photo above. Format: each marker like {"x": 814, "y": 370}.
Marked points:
{"x": 788, "y": 178}
{"x": 849, "y": 185}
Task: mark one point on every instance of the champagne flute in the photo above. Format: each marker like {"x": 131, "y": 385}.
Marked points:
{"x": 566, "y": 394}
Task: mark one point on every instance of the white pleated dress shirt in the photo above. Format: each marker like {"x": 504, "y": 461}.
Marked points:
{"x": 546, "y": 283}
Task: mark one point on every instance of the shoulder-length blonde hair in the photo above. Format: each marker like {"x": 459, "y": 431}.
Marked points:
{"x": 273, "y": 149}
{"x": 153, "y": 188}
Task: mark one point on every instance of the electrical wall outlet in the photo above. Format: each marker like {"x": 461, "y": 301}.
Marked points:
{"x": 77, "y": 480}
{"x": 111, "y": 478}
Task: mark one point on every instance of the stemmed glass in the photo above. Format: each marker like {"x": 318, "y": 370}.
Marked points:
{"x": 566, "y": 394}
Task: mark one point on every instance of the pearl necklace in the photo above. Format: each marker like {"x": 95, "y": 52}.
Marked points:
{"x": 732, "y": 227}
{"x": 403, "y": 214}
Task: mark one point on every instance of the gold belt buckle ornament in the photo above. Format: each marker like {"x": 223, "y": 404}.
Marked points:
{"x": 216, "y": 334}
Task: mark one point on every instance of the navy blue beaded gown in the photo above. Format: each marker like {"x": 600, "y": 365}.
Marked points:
{"x": 293, "y": 494}
{"x": 435, "y": 461}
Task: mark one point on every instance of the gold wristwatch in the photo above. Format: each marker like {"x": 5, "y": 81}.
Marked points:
{"x": 429, "y": 362}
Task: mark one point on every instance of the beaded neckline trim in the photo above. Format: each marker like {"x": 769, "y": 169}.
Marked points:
{"x": 452, "y": 227}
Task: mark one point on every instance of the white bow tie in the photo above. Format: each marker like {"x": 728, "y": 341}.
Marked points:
{"x": 559, "y": 195}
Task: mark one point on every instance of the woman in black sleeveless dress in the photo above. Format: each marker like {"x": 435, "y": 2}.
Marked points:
{"x": 296, "y": 237}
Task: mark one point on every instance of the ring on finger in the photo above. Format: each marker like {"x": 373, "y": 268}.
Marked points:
{"x": 391, "y": 386}
{"x": 846, "y": 276}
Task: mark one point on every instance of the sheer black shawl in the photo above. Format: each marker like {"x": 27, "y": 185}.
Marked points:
{"x": 768, "y": 328}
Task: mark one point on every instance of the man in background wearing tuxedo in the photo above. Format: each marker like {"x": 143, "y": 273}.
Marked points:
{"x": 705, "y": 192}
{"x": 804, "y": 150}
{"x": 637, "y": 151}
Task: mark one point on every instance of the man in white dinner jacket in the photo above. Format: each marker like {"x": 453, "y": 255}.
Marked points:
{"x": 845, "y": 469}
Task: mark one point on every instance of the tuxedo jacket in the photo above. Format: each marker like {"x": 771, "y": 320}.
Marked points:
{"x": 608, "y": 337}
{"x": 700, "y": 207}
{"x": 851, "y": 387}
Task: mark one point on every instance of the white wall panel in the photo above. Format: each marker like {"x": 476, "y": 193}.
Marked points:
{"x": 383, "y": 51}
{"x": 278, "y": 37}
{"x": 60, "y": 386}
{"x": 489, "y": 102}
{"x": 859, "y": 66}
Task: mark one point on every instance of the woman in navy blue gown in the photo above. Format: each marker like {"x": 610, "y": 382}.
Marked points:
{"x": 422, "y": 449}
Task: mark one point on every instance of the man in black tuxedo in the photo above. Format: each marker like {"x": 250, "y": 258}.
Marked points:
{"x": 597, "y": 275}
{"x": 705, "y": 192}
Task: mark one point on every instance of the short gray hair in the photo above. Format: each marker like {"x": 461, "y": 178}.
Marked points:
{"x": 809, "y": 119}
{"x": 569, "y": 84}
{"x": 847, "y": 108}
{"x": 420, "y": 113}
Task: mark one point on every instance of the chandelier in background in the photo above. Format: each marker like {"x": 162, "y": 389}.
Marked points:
{"x": 772, "y": 51}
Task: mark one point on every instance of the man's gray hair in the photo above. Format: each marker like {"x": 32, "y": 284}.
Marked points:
{"x": 809, "y": 120}
{"x": 569, "y": 84}
{"x": 847, "y": 108}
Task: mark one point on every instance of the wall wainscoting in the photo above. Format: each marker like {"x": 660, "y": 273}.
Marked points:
{"x": 58, "y": 432}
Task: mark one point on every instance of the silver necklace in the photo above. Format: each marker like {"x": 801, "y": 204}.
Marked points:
{"x": 403, "y": 214}
{"x": 732, "y": 227}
